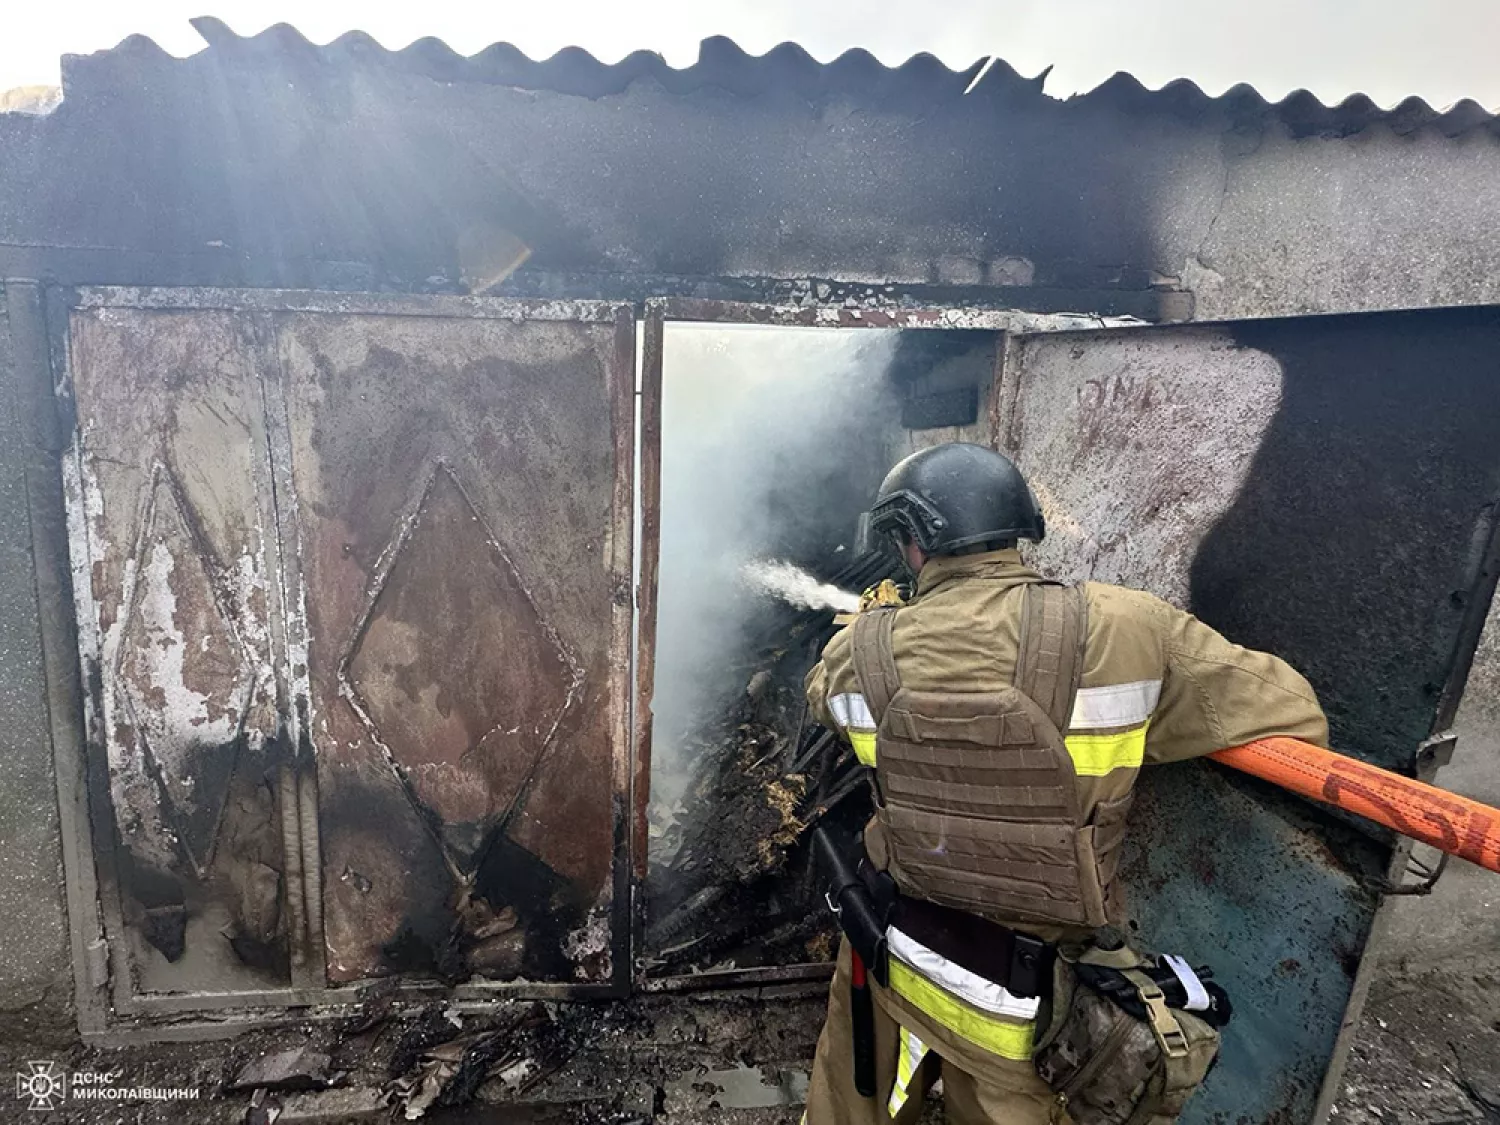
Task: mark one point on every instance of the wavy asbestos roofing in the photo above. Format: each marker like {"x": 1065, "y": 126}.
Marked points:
{"x": 788, "y": 69}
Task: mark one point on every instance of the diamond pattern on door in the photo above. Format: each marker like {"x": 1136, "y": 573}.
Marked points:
{"x": 184, "y": 678}
{"x": 454, "y": 671}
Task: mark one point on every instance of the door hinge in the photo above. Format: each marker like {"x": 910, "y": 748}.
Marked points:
{"x": 1433, "y": 754}
{"x": 96, "y": 963}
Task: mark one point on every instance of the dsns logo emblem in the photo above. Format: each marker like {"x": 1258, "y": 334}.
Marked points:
{"x": 44, "y": 1085}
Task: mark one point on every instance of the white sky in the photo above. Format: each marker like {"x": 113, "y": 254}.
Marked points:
{"x": 1443, "y": 50}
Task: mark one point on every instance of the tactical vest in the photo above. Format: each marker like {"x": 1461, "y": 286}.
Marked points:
{"x": 976, "y": 791}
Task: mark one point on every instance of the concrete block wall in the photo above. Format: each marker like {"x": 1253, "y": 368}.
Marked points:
{"x": 36, "y": 979}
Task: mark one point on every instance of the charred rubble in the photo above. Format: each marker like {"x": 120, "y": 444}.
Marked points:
{"x": 685, "y": 1059}
{"x": 731, "y": 883}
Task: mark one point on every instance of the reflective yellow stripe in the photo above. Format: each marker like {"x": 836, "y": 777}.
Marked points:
{"x": 852, "y": 715}
{"x": 1095, "y": 755}
{"x": 1009, "y": 1039}
{"x": 913, "y": 1051}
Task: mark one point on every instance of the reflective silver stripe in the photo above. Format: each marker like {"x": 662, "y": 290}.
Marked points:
{"x": 969, "y": 987}
{"x": 851, "y": 710}
{"x": 1118, "y": 705}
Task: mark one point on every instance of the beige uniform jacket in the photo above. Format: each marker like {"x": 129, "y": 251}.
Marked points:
{"x": 1158, "y": 685}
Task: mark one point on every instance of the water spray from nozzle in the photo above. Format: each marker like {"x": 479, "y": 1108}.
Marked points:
{"x": 796, "y": 586}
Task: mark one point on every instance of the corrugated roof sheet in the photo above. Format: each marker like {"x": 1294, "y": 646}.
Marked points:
{"x": 789, "y": 69}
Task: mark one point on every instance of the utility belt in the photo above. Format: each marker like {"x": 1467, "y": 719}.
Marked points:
{"x": 1128, "y": 1037}
{"x": 868, "y": 905}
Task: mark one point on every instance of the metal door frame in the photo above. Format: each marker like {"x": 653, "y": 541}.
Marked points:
{"x": 96, "y": 921}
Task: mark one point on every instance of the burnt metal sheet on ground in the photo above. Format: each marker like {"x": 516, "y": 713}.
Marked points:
{"x": 462, "y": 491}
{"x": 173, "y": 553}
{"x": 1320, "y": 488}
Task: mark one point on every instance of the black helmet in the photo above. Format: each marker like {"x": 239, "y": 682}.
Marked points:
{"x": 955, "y": 497}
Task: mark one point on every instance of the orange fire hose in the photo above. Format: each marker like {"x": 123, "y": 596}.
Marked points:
{"x": 1423, "y": 812}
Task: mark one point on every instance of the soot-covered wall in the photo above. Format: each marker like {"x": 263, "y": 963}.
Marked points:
{"x": 1351, "y": 543}
{"x": 274, "y": 162}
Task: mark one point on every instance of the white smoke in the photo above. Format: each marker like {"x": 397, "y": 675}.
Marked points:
{"x": 773, "y": 441}
{"x": 795, "y": 586}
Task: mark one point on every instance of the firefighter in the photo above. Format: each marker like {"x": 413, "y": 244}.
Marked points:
{"x": 1004, "y": 718}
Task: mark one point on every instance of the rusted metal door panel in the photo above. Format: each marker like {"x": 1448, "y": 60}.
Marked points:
{"x": 353, "y": 589}
{"x": 174, "y": 552}
{"x": 1320, "y": 488}
{"x": 462, "y": 501}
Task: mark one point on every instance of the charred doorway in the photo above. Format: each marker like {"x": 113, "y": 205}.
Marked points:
{"x": 352, "y": 579}
{"x": 774, "y": 428}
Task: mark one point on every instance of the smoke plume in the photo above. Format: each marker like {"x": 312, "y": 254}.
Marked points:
{"x": 773, "y": 441}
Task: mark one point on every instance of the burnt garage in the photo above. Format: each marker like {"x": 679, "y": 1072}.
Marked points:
{"x": 387, "y": 435}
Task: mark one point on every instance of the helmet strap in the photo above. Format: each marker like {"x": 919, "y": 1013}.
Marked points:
{"x": 985, "y": 548}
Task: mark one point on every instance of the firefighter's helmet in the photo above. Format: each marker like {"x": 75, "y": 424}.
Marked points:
{"x": 956, "y": 498}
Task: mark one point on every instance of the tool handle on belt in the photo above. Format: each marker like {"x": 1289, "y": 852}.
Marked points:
{"x": 859, "y": 918}
{"x": 862, "y": 1013}
{"x": 848, "y": 897}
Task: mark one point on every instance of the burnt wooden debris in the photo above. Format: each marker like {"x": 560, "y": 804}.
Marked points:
{"x": 731, "y": 882}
